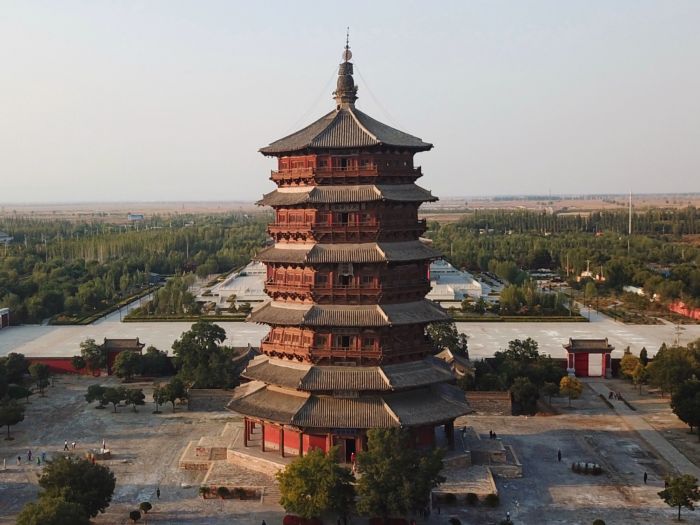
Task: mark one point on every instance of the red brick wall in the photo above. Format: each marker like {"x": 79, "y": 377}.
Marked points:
{"x": 58, "y": 365}
{"x": 311, "y": 442}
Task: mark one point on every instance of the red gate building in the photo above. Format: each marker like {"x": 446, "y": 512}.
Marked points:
{"x": 347, "y": 276}
{"x": 589, "y": 357}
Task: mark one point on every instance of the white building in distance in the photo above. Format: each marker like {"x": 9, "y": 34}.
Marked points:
{"x": 450, "y": 284}
{"x": 248, "y": 285}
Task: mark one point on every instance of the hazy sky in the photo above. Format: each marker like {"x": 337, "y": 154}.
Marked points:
{"x": 170, "y": 100}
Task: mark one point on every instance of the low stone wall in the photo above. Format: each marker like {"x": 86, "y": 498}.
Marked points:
{"x": 208, "y": 399}
{"x": 490, "y": 403}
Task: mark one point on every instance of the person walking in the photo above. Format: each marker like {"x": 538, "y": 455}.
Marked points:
{"x": 158, "y": 493}
{"x": 65, "y": 445}
{"x": 19, "y": 460}
{"x": 559, "y": 455}
{"x": 29, "y": 455}
{"x": 43, "y": 457}
{"x": 73, "y": 445}
{"x": 263, "y": 523}
{"x": 645, "y": 478}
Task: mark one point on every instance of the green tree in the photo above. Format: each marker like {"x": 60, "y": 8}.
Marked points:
{"x": 134, "y": 397}
{"x": 202, "y": 360}
{"x": 16, "y": 366}
{"x": 685, "y": 403}
{"x": 134, "y": 516}
{"x": 156, "y": 362}
{"x": 19, "y": 392}
{"x": 78, "y": 481}
{"x": 78, "y": 362}
{"x": 395, "y": 478}
{"x": 96, "y": 393}
{"x": 681, "y": 491}
{"x": 11, "y": 413}
{"x": 93, "y": 355}
{"x": 525, "y": 395}
{"x": 145, "y": 507}
{"x": 445, "y": 336}
{"x": 114, "y": 396}
{"x": 628, "y": 363}
{"x": 127, "y": 364}
{"x": 159, "y": 397}
{"x": 550, "y": 389}
{"x": 671, "y": 367}
{"x": 315, "y": 483}
{"x": 52, "y": 511}
{"x": 640, "y": 374}
{"x": 644, "y": 356}
{"x": 40, "y": 374}
{"x": 570, "y": 387}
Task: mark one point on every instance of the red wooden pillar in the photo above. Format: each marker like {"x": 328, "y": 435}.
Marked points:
{"x": 262, "y": 438}
{"x": 282, "y": 441}
{"x": 329, "y": 442}
{"x": 245, "y": 432}
{"x": 301, "y": 444}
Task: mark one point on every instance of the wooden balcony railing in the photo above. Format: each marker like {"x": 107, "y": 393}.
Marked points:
{"x": 345, "y": 172}
{"x": 363, "y": 227}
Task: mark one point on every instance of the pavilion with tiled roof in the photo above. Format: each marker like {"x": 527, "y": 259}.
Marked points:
{"x": 348, "y": 275}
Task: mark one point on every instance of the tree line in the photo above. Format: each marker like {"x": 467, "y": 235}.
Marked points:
{"x": 77, "y": 275}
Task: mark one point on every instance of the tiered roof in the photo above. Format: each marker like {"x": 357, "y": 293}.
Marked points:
{"x": 345, "y": 127}
{"x": 343, "y": 194}
{"x": 374, "y": 315}
{"x": 323, "y": 378}
{"x": 370, "y": 252}
{"x": 421, "y": 406}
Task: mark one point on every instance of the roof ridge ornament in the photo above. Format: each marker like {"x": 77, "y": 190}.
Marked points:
{"x": 346, "y": 91}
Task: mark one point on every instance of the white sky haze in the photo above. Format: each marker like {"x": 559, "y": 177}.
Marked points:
{"x": 170, "y": 100}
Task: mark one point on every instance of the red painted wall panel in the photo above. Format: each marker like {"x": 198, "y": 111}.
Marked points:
{"x": 581, "y": 365}
{"x": 311, "y": 442}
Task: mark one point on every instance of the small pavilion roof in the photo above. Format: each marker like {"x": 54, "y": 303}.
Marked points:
{"x": 122, "y": 344}
{"x": 589, "y": 345}
{"x": 342, "y": 194}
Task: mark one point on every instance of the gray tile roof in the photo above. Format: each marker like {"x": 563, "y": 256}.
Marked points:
{"x": 417, "y": 373}
{"x": 276, "y": 373}
{"x": 423, "y": 311}
{"x": 338, "y": 412}
{"x": 350, "y": 253}
{"x": 346, "y": 127}
{"x": 355, "y": 378}
{"x": 357, "y": 193}
{"x": 412, "y": 408}
{"x": 589, "y": 345}
{"x": 269, "y": 404}
{"x": 324, "y": 378}
{"x": 428, "y": 405}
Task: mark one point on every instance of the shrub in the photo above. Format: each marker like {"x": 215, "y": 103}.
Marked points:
{"x": 134, "y": 515}
{"x": 223, "y": 492}
{"x": 598, "y": 522}
{"x": 290, "y": 519}
{"x": 450, "y": 498}
{"x": 454, "y": 521}
{"x": 492, "y": 500}
{"x": 205, "y": 491}
{"x": 471, "y": 499}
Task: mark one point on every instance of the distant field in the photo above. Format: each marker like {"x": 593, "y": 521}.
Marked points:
{"x": 449, "y": 209}
{"x": 116, "y": 212}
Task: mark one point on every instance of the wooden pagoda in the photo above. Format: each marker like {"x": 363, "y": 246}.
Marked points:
{"x": 347, "y": 276}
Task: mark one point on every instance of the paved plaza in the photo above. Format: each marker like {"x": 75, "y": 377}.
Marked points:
{"x": 485, "y": 338}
